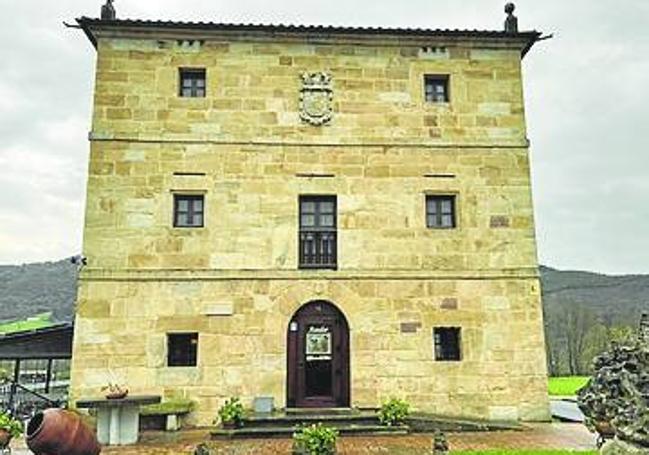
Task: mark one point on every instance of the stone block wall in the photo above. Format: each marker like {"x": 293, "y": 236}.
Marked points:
{"x": 246, "y": 150}
{"x": 122, "y": 325}
{"x": 251, "y": 201}
{"x": 253, "y": 92}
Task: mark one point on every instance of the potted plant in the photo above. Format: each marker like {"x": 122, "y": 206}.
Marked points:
{"x": 231, "y": 413}
{"x": 394, "y": 412}
{"x": 9, "y": 428}
{"x": 315, "y": 440}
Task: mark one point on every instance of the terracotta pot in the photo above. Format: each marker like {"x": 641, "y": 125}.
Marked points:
{"x": 117, "y": 395}
{"x": 5, "y": 438}
{"x": 59, "y": 432}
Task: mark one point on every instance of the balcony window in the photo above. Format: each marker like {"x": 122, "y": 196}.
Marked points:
{"x": 318, "y": 249}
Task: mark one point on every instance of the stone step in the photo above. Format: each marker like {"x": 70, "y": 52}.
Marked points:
{"x": 289, "y": 419}
{"x": 287, "y": 431}
{"x": 322, "y": 411}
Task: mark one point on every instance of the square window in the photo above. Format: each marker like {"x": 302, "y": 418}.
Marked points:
{"x": 182, "y": 349}
{"x": 192, "y": 83}
{"x": 436, "y": 89}
{"x": 188, "y": 210}
{"x": 447, "y": 342}
{"x": 440, "y": 212}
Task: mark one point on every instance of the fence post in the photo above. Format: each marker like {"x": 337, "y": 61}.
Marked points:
{"x": 12, "y": 396}
{"x": 48, "y": 377}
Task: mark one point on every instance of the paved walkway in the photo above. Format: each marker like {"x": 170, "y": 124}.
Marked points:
{"x": 536, "y": 436}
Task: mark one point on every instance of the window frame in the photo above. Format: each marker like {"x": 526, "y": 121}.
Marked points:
{"x": 447, "y": 354}
{"x": 191, "y": 212}
{"x": 318, "y": 229}
{"x": 191, "y": 359}
{"x": 439, "y": 198}
{"x": 445, "y": 80}
{"x": 187, "y": 73}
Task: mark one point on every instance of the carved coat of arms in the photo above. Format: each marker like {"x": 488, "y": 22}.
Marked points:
{"x": 316, "y": 98}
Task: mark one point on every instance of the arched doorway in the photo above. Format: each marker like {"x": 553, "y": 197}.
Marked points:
{"x": 318, "y": 357}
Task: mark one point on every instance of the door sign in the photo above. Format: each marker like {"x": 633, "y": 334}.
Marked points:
{"x": 318, "y": 344}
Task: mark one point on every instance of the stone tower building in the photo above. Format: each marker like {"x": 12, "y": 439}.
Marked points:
{"x": 330, "y": 216}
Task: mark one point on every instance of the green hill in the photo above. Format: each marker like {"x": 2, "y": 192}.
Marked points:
{"x": 32, "y": 289}
{"x": 615, "y": 299}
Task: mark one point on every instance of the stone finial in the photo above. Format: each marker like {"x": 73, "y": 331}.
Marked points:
{"x": 511, "y": 23}
{"x": 108, "y": 11}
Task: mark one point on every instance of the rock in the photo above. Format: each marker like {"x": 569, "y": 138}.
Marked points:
{"x": 618, "y": 393}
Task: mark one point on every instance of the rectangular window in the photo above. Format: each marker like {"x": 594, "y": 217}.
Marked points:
{"x": 447, "y": 343}
{"x": 318, "y": 249}
{"x": 182, "y": 349}
{"x": 440, "y": 212}
{"x": 192, "y": 83}
{"x": 188, "y": 210}
{"x": 436, "y": 89}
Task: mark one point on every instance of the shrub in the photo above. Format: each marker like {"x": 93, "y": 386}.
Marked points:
{"x": 315, "y": 440}
{"x": 231, "y": 413}
{"x": 13, "y": 426}
{"x": 394, "y": 411}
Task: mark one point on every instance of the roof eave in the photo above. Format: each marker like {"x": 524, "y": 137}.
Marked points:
{"x": 530, "y": 44}
{"x": 93, "y": 27}
{"x": 86, "y": 29}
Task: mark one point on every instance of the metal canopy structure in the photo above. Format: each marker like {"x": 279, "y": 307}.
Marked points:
{"x": 35, "y": 362}
{"x": 53, "y": 342}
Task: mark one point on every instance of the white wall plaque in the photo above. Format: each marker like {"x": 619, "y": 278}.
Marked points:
{"x": 218, "y": 309}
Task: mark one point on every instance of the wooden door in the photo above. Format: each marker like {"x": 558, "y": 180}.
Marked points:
{"x": 318, "y": 357}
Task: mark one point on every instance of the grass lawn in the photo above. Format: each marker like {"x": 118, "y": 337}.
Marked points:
{"x": 526, "y": 452}
{"x": 567, "y": 385}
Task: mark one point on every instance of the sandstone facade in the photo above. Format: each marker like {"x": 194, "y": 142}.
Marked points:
{"x": 236, "y": 281}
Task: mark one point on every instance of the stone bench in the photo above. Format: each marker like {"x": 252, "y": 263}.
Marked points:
{"x": 165, "y": 416}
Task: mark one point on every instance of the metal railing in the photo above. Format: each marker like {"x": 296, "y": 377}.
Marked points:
{"x": 318, "y": 249}
{"x": 22, "y": 402}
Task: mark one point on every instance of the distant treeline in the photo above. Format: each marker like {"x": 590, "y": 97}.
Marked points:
{"x": 584, "y": 312}
{"x": 31, "y": 289}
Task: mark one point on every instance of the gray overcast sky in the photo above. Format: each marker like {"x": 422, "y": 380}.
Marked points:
{"x": 586, "y": 91}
